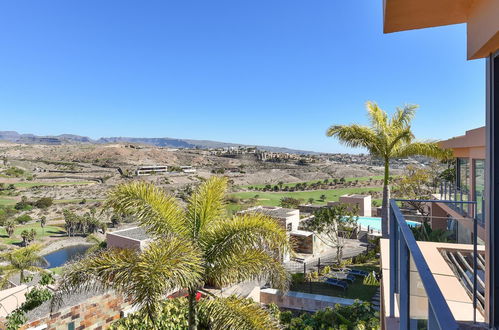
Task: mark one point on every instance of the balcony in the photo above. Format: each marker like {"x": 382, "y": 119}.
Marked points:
{"x": 430, "y": 285}
{"x": 450, "y": 192}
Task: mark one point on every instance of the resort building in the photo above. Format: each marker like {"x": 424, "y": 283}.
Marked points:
{"x": 361, "y": 204}
{"x": 151, "y": 169}
{"x": 449, "y": 285}
{"x": 305, "y": 242}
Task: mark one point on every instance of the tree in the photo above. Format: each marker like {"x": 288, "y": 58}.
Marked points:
{"x": 43, "y": 222}
{"x": 386, "y": 138}
{"x": 25, "y": 237}
{"x": 332, "y": 225}
{"x": 290, "y": 202}
{"x": 415, "y": 185}
{"x": 310, "y": 200}
{"x": 44, "y": 202}
{"x": 20, "y": 260}
{"x": 192, "y": 246}
{"x": 10, "y": 225}
{"x": 323, "y": 197}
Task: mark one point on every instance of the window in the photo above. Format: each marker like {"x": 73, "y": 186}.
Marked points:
{"x": 479, "y": 186}
{"x": 463, "y": 174}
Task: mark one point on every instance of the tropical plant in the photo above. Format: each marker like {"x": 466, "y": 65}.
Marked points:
{"x": 424, "y": 232}
{"x": 371, "y": 279}
{"x": 221, "y": 313}
{"x": 34, "y": 298}
{"x": 386, "y": 138}
{"x": 19, "y": 261}
{"x": 360, "y": 315}
{"x": 192, "y": 247}
{"x": 10, "y": 225}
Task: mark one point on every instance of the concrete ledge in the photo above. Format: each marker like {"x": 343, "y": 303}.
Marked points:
{"x": 300, "y": 300}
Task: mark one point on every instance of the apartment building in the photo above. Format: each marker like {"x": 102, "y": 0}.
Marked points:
{"x": 435, "y": 285}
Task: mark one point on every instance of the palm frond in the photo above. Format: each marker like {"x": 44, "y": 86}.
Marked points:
{"x": 377, "y": 117}
{"x": 252, "y": 264}
{"x": 400, "y": 137}
{"x": 429, "y": 149}
{"x": 145, "y": 278}
{"x": 207, "y": 203}
{"x": 240, "y": 238}
{"x": 160, "y": 213}
{"x": 235, "y": 313}
{"x": 403, "y": 116}
{"x": 356, "y": 136}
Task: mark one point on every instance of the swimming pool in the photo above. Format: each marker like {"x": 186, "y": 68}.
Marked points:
{"x": 375, "y": 223}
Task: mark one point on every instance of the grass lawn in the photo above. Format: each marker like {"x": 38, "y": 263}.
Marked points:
{"x": 30, "y": 184}
{"x": 273, "y": 198}
{"x": 292, "y": 184}
{"x": 16, "y": 238}
{"x": 356, "y": 290}
{"x": 6, "y": 201}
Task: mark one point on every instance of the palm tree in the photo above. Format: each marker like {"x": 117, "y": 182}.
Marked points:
{"x": 10, "y": 225}
{"x": 386, "y": 138}
{"x": 20, "y": 260}
{"x": 231, "y": 249}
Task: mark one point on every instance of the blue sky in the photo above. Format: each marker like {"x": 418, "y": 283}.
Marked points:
{"x": 263, "y": 72}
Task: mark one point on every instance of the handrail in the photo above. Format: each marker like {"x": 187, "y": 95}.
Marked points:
{"x": 439, "y": 314}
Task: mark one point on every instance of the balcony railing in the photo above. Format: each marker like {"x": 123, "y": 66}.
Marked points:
{"x": 450, "y": 192}
{"x": 426, "y": 306}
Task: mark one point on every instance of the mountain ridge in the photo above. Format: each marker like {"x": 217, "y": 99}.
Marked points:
{"x": 13, "y": 136}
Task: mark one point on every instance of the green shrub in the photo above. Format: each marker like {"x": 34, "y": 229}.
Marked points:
{"x": 371, "y": 279}
{"x": 22, "y": 219}
{"x": 297, "y": 278}
{"x": 360, "y": 315}
{"x": 14, "y": 172}
{"x": 44, "y": 202}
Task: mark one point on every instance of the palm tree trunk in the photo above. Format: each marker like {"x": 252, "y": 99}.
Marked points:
{"x": 193, "y": 324}
{"x": 386, "y": 198}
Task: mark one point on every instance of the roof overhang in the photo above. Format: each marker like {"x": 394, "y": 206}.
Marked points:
{"x": 481, "y": 17}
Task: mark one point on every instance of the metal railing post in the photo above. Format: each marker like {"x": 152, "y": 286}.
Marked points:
{"x": 404, "y": 282}
{"x": 393, "y": 262}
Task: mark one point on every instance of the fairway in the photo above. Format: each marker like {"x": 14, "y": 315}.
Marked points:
{"x": 273, "y": 198}
{"x": 292, "y": 184}
{"x": 16, "y": 238}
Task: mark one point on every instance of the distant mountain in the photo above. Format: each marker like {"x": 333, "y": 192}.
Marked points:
{"x": 13, "y": 136}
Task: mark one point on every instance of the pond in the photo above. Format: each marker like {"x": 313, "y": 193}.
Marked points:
{"x": 60, "y": 257}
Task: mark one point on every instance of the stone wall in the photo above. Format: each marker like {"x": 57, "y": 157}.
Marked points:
{"x": 95, "y": 313}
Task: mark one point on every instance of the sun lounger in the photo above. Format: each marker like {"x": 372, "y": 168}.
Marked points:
{"x": 336, "y": 282}
{"x": 357, "y": 272}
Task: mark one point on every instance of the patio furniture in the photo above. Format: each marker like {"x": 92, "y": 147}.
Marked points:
{"x": 342, "y": 276}
{"x": 336, "y": 282}
{"x": 356, "y": 272}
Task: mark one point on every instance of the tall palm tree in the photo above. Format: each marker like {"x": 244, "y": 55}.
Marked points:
{"x": 231, "y": 249}
{"x": 386, "y": 138}
{"x": 19, "y": 261}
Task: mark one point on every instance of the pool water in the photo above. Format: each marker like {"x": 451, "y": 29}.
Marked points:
{"x": 60, "y": 257}
{"x": 375, "y": 223}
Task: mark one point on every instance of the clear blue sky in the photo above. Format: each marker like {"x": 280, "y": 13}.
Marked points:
{"x": 266, "y": 72}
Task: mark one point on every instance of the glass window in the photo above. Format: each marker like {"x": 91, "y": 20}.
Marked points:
{"x": 479, "y": 176}
{"x": 463, "y": 174}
